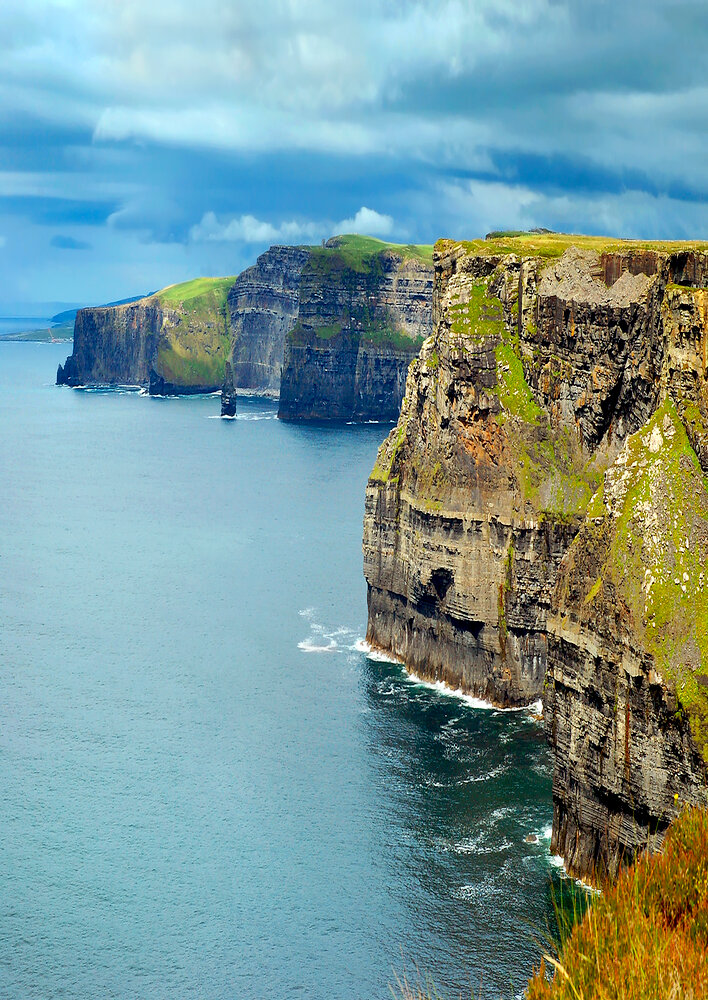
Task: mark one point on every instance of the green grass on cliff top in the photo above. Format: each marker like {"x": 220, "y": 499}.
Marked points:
{"x": 197, "y": 293}
{"x": 356, "y": 251}
{"x": 552, "y": 245}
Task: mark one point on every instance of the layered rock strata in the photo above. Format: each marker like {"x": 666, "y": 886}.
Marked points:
{"x": 361, "y": 320}
{"x": 352, "y": 314}
{"x": 263, "y": 307}
{"x": 536, "y": 523}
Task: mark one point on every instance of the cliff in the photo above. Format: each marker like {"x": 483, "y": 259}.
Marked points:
{"x": 263, "y": 307}
{"x": 522, "y": 538}
{"x": 352, "y": 313}
{"x": 365, "y": 308}
{"x": 175, "y": 341}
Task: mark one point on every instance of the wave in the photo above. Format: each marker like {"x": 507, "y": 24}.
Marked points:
{"x": 242, "y": 416}
{"x": 481, "y": 703}
{"x": 479, "y": 845}
{"x": 308, "y": 646}
{"x": 362, "y": 646}
{"x": 321, "y": 638}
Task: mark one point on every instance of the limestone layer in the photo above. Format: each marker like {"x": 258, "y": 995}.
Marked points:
{"x": 537, "y": 523}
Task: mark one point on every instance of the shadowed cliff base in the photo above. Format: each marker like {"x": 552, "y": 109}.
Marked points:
{"x": 537, "y": 521}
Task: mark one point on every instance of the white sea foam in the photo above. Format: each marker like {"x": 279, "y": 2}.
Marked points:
{"x": 556, "y": 861}
{"x": 321, "y": 638}
{"x": 445, "y": 689}
{"x": 472, "y": 780}
{"x": 242, "y": 416}
{"x": 309, "y": 646}
{"x": 362, "y": 646}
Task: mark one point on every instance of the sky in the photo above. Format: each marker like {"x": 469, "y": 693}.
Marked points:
{"x": 144, "y": 143}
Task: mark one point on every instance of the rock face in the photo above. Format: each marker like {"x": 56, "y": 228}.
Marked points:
{"x": 263, "y": 307}
{"x": 174, "y": 342}
{"x": 228, "y": 393}
{"x": 362, "y": 317}
{"x": 115, "y": 345}
{"x": 537, "y": 523}
{"x": 353, "y": 314}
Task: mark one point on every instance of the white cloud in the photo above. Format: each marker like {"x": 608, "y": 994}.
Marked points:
{"x": 475, "y": 207}
{"x": 367, "y": 222}
{"x": 249, "y": 229}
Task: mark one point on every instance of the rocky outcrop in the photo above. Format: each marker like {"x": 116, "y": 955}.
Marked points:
{"x": 362, "y": 317}
{"x": 537, "y": 522}
{"x": 114, "y": 345}
{"x": 263, "y": 307}
{"x": 228, "y": 393}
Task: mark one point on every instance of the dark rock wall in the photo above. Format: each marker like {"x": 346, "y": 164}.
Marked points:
{"x": 116, "y": 345}
{"x": 356, "y": 333}
{"x": 263, "y": 308}
{"x": 488, "y": 564}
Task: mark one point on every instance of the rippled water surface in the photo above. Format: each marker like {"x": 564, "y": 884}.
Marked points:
{"x": 206, "y": 790}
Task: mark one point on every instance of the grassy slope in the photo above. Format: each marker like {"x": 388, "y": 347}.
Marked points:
{"x": 195, "y": 343}
{"x": 552, "y": 245}
{"x": 646, "y": 937}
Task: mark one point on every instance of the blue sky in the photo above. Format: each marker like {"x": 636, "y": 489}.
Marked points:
{"x": 145, "y": 143}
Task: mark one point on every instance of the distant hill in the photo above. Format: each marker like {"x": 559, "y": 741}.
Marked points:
{"x": 69, "y": 315}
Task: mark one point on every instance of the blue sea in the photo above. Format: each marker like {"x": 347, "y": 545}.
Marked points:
{"x": 207, "y": 789}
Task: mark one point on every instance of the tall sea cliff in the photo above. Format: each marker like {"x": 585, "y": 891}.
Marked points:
{"x": 537, "y": 523}
{"x": 330, "y": 329}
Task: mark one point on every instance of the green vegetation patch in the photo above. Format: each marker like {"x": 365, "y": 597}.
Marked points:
{"x": 643, "y": 938}
{"x": 381, "y": 473}
{"x": 512, "y": 388}
{"x": 355, "y": 251}
{"x": 481, "y": 316}
{"x": 194, "y": 342}
{"x": 655, "y": 500}
{"x": 551, "y": 245}
{"x": 554, "y": 475}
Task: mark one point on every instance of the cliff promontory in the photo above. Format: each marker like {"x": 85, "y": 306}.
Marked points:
{"x": 330, "y": 329}
{"x": 365, "y": 309}
{"x": 175, "y": 341}
{"x": 537, "y": 523}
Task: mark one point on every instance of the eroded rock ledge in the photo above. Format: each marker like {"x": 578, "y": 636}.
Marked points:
{"x": 537, "y": 523}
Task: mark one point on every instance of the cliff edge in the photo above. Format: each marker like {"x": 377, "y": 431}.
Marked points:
{"x": 536, "y": 523}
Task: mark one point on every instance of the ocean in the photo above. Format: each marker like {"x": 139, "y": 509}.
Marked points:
{"x": 209, "y": 790}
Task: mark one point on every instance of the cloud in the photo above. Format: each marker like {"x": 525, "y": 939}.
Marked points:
{"x": 3, "y": 241}
{"x": 476, "y": 207}
{"x": 68, "y": 243}
{"x": 367, "y": 222}
{"x": 249, "y": 229}
{"x": 203, "y": 132}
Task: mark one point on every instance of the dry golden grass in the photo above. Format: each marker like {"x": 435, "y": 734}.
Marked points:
{"x": 646, "y": 937}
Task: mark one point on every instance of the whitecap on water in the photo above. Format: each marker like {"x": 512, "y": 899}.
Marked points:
{"x": 362, "y": 646}
{"x": 321, "y": 638}
{"x": 309, "y": 646}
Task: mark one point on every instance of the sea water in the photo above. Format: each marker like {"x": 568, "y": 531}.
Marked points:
{"x": 207, "y": 788}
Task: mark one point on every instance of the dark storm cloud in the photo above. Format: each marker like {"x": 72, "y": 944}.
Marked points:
{"x": 177, "y": 134}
